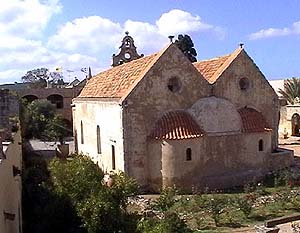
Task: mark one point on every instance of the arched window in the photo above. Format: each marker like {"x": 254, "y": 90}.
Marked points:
{"x": 57, "y": 100}
{"x": 98, "y": 140}
{"x": 30, "y": 98}
{"x": 188, "y": 154}
{"x": 113, "y": 157}
{"x": 260, "y": 145}
{"x": 81, "y": 132}
{"x": 295, "y": 124}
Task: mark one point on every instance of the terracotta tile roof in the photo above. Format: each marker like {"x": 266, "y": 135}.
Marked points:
{"x": 117, "y": 81}
{"x": 253, "y": 121}
{"x": 176, "y": 125}
{"x": 212, "y": 69}
{"x": 209, "y": 67}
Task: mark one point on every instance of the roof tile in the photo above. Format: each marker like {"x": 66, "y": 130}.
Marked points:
{"x": 117, "y": 81}
{"x": 176, "y": 125}
{"x": 209, "y": 67}
{"x": 253, "y": 121}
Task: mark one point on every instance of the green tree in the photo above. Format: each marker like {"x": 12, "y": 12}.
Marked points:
{"x": 101, "y": 208}
{"x": 186, "y": 45}
{"x": 169, "y": 224}
{"x": 44, "y": 210}
{"x": 291, "y": 90}
{"x": 39, "y": 120}
{"x": 41, "y": 76}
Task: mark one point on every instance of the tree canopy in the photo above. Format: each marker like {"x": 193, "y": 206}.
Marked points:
{"x": 41, "y": 76}
{"x": 291, "y": 90}
{"x": 39, "y": 120}
{"x": 186, "y": 45}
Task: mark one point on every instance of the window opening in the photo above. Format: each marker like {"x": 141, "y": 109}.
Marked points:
{"x": 113, "y": 157}
{"x": 98, "y": 140}
{"x": 81, "y": 131}
{"x": 188, "y": 154}
{"x": 261, "y": 145}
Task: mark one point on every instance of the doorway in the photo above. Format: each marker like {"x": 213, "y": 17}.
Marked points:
{"x": 295, "y": 124}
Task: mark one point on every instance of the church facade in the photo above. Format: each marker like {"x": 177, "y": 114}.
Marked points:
{"x": 166, "y": 121}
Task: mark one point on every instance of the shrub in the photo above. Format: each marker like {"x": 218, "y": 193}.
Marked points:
{"x": 166, "y": 199}
{"x": 245, "y": 203}
{"x": 169, "y": 224}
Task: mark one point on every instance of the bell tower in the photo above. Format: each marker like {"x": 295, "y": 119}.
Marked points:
{"x": 128, "y": 51}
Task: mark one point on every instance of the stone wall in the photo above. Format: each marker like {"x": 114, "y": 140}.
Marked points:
{"x": 217, "y": 161}
{"x": 259, "y": 95}
{"x": 286, "y": 114}
{"x": 108, "y": 116}
{"x": 42, "y": 93}
{"x": 9, "y": 107}
{"x": 11, "y": 184}
{"x": 150, "y": 99}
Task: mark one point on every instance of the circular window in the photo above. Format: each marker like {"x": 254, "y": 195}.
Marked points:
{"x": 244, "y": 84}
{"x": 174, "y": 84}
{"x": 127, "y": 55}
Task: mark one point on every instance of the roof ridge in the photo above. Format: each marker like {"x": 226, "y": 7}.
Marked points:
{"x": 213, "y": 58}
{"x": 155, "y": 58}
{"x": 119, "y": 81}
{"x": 226, "y": 64}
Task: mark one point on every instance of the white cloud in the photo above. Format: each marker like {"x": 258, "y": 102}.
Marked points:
{"x": 294, "y": 29}
{"x": 91, "y": 34}
{"x": 27, "y": 17}
{"x": 82, "y": 42}
{"x": 178, "y": 21}
{"x": 96, "y": 34}
{"x": 146, "y": 36}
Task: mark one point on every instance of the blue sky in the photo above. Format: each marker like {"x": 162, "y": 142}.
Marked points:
{"x": 73, "y": 34}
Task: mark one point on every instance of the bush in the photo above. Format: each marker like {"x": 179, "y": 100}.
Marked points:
{"x": 166, "y": 199}
{"x": 171, "y": 223}
{"x": 101, "y": 208}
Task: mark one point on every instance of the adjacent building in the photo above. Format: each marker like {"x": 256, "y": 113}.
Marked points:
{"x": 289, "y": 124}
{"x": 10, "y": 165}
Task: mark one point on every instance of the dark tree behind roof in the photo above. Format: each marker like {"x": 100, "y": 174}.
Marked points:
{"x": 186, "y": 45}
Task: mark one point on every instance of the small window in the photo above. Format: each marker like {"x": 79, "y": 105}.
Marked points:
{"x": 188, "y": 154}
{"x": 81, "y": 132}
{"x": 174, "y": 84}
{"x": 260, "y": 145}
{"x": 244, "y": 84}
{"x": 98, "y": 140}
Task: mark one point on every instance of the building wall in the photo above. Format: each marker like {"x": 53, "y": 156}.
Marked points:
{"x": 286, "y": 114}
{"x": 10, "y": 191}
{"x": 42, "y": 93}
{"x": 9, "y": 107}
{"x": 217, "y": 161}
{"x": 259, "y": 95}
{"x": 151, "y": 99}
{"x": 108, "y": 115}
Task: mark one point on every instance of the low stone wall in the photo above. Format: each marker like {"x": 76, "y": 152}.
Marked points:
{"x": 281, "y": 159}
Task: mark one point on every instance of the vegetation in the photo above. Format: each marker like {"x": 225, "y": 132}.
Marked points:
{"x": 277, "y": 195}
{"x": 186, "y": 45}
{"x": 68, "y": 196}
{"x": 41, "y": 76}
{"x": 39, "y": 120}
{"x": 291, "y": 90}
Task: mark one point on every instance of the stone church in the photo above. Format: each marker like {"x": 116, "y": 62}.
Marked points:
{"x": 166, "y": 121}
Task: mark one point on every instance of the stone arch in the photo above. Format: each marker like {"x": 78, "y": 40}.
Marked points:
{"x": 57, "y": 100}
{"x": 30, "y": 98}
{"x": 295, "y": 124}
